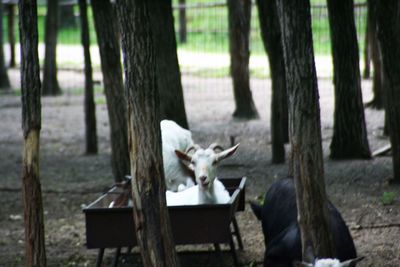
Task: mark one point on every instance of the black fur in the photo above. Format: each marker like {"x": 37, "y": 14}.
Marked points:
{"x": 281, "y": 231}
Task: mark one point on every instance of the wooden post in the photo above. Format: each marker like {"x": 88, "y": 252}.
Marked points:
{"x": 31, "y": 124}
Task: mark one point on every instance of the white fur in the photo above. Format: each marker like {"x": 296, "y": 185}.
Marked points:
{"x": 328, "y": 263}
{"x": 215, "y": 194}
{"x": 175, "y": 137}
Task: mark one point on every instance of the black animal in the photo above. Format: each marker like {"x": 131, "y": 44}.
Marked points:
{"x": 281, "y": 230}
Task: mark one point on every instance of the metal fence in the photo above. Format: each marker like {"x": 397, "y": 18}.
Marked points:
{"x": 207, "y": 30}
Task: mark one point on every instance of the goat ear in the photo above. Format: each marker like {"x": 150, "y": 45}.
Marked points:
{"x": 256, "y": 210}
{"x": 183, "y": 156}
{"x": 226, "y": 153}
{"x": 301, "y": 264}
{"x": 352, "y": 262}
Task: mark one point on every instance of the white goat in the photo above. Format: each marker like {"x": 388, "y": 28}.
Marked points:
{"x": 209, "y": 190}
{"x": 174, "y": 137}
{"x": 329, "y": 263}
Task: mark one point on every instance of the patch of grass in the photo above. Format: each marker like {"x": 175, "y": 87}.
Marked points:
{"x": 388, "y": 198}
{"x": 100, "y": 100}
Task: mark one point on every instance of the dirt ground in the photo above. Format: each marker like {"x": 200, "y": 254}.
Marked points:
{"x": 71, "y": 180}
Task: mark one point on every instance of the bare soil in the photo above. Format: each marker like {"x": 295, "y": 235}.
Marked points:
{"x": 71, "y": 179}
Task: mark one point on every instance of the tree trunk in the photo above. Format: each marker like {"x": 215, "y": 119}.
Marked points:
{"x": 50, "y": 82}
{"x": 239, "y": 14}
{"x": 108, "y": 40}
{"x": 271, "y": 36}
{"x": 168, "y": 72}
{"x": 377, "y": 82}
{"x": 11, "y": 33}
{"x": 4, "y": 81}
{"x": 350, "y": 139}
{"x": 67, "y": 16}
{"x": 305, "y": 131}
{"x": 182, "y": 22}
{"x": 31, "y": 124}
{"x": 90, "y": 106}
{"x": 152, "y": 223}
{"x": 367, "y": 47}
{"x": 388, "y": 20}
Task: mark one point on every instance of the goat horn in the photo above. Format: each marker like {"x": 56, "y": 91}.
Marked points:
{"x": 192, "y": 147}
{"x": 215, "y": 146}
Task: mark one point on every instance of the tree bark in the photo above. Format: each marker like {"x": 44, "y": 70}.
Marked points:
{"x": 388, "y": 20}
{"x": 4, "y": 81}
{"x": 152, "y": 223}
{"x": 107, "y": 31}
{"x": 89, "y": 104}
{"x": 50, "y": 82}
{"x": 350, "y": 139}
{"x": 377, "y": 82}
{"x": 168, "y": 72}
{"x": 271, "y": 36}
{"x": 11, "y": 33}
{"x": 305, "y": 131}
{"x": 31, "y": 124}
{"x": 367, "y": 47}
{"x": 182, "y": 22}
{"x": 239, "y": 14}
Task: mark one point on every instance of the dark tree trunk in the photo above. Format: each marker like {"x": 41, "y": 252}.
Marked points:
{"x": 239, "y": 14}
{"x": 182, "y": 22}
{"x": 4, "y": 81}
{"x": 367, "y": 48}
{"x": 377, "y": 84}
{"x": 50, "y": 82}
{"x": 388, "y": 20}
{"x": 67, "y": 16}
{"x": 271, "y": 36}
{"x": 349, "y": 139}
{"x": 168, "y": 72}
{"x": 108, "y": 40}
{"x": 90, "y": 106}
{"x": 305, "y": 127}
{"x": 11, "y": 33}
{"x": 152, "y": 223}
{"x": 31, "y": 124}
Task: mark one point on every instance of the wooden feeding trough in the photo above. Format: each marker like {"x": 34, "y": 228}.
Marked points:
{"x": 113, "y": 227}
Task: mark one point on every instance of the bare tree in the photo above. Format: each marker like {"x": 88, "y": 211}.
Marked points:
{"x": 388, "y": 21}
{"x": 271, "y": 36}
{"x": 168, "y": 72}
{"x": 66, "y": 14}
{"x": 182, "y": 22}
{"x": 31, "y": 124}
{"x": 349, "y": 132}
{"x": 90, "y": 106}
{"x": 305, "y": 131}
{"x": 239, "y": 14}
{"x": 105, "y": 22}
{"x": 152, "y": 223}
{"x": 4, "y": 81}
{"x": 11, "y": 35}
{"x": 50, "y": 82}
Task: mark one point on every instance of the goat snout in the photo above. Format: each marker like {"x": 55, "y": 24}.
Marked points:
{"x": 203, "y": 178}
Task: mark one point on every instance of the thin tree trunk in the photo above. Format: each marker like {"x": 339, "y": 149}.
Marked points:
{"x": 90, "y": 106}
{"x": 152, "y": 223}
{"x": 305, "y": 131}
{"x": 4, "y": 81}
{"x": 11, "y": 33}
{"x": 350, "y": 139}
{"x": 239, "y": 14}
{"x": 367, "y": 47}
{"x": 168, "y": 72}
{"x": 108, "y": 40}
{"x": 31, "y": 124}
{"x": 271, "y": 36}
{"x": 50, "y": 82}
{"x": 66, "y": 14}
{"x": 377, "y": 82}
{"x": 388, "y": 19}
{"x": 182, "y": 22}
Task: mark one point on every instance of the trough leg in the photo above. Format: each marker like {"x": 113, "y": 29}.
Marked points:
{"x": 237, "y": 233}
{"x": 100, "y": 257}
{"x": 219, "y": 253}
{"x": 116, "y": 257}
{"x": 233, "y": 251}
